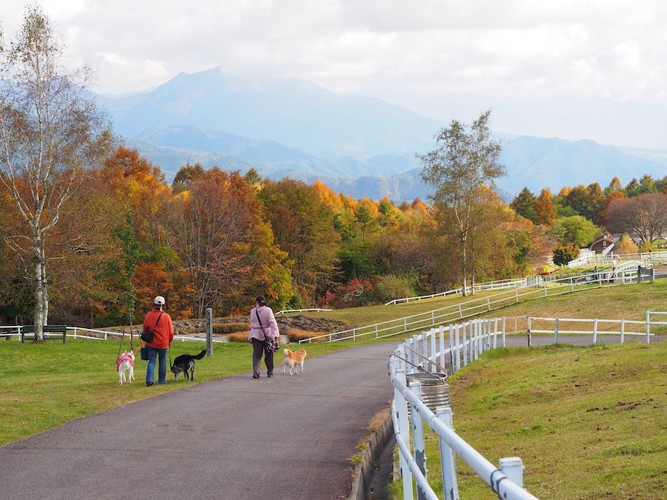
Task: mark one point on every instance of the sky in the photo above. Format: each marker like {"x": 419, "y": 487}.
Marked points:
{"x": 574, "y": 69}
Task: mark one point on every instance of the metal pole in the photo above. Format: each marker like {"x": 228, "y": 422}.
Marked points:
{"x": 419, "y": 442}
{"x": 209, "y": 331}
{"x": 448, "y": 459}
{"x": 512, "y": 467}
{"x": 622, "y": 331}
{"x": 401, "y": 406}
{"x": 556, "y": 332}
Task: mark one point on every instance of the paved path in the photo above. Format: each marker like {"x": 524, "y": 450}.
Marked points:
{"x": 233, "y": 438}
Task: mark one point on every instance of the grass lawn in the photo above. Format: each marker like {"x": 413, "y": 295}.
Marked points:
{"x": 588, "y": 422}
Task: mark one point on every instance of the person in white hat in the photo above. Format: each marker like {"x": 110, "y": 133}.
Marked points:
{"x": 163, "y": 334}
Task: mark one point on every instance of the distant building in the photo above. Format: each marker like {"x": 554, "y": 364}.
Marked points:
{"x": 605, "y": 244}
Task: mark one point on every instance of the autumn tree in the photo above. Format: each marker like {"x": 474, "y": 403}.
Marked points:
{"x": 464, "y": 160}
{"x": 545, "y": 207}
{"x": 644, "y": 215}
{"x": 140, "y": 189}
{"x": 304, "y": 228}
{"x": 50, "y": 133}
{"x": 215, "y": 225}
{"x": 409, "y": 250}
{"x": 596, "y": 199}
{"x": 614, "y": 185}
{"x": 625, "y": 246}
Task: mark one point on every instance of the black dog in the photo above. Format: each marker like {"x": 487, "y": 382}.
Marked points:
{"x": 186, "y": 363}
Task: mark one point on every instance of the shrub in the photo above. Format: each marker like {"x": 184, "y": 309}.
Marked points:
{"x": 356, "y": 293}
{"x": 565, "y": 253}
{"x": 238, "y": 336}
{"x": 224, "y": 328}
{"x": 390, "y": 287}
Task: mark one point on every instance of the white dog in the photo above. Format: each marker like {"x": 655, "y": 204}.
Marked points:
{"x": 125, "y": 364}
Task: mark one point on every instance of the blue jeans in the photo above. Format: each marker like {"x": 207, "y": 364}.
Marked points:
{"x": 162, "y": 362}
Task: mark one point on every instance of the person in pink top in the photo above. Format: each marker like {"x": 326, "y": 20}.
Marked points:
{"x": 262, "y": 324}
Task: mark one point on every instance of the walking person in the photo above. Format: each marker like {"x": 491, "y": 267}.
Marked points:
{"x": 262, "y": 324}
{"x": 163, "y": 334}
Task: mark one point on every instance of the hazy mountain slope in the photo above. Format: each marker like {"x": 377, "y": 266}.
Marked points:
{"x": 360, "y": 146}
{"x": 536, "y": 163}
{"x": 292, "y": 112}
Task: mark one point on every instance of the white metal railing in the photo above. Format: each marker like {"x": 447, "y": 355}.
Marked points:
{"x": 645, "y": 259}
{"x": 478, "y": 287}
{"x": 506, "y": 480}
{"x": 476, "y": 306}
{"x": 456, "y": 346}
{"x": 285, "y": 311}
{"x": 74, "y": 332}
{"x": 621, "y": 262}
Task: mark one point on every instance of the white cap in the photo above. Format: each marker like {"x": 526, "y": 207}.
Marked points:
{"x": 159, "y": 300}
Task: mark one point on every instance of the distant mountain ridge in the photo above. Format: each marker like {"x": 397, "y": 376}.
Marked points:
{"x": 357, "y": 145}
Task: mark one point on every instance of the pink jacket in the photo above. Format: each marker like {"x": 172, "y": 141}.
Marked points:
{"x": 268, "y": 322}
{"x": 124, "y": 357}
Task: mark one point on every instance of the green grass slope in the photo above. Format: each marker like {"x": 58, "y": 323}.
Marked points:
{"x": 588, "y": 422}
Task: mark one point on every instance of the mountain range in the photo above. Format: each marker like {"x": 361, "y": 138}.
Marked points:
{"x": 360, "y": 146}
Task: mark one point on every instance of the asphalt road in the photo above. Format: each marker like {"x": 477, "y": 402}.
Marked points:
{"x": 285, "y": 437}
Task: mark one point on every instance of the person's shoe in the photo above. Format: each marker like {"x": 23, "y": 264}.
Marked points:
{"x": 270, "y": 374}
{"x": 148, "y": 384}
{"x": 255, "y": 375}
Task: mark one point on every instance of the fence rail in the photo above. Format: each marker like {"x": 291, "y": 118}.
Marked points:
{"x": 9, "y": 331}
{"x": 448, "y": 349}
{"x": 476, "y": 306}
{"x": 620, "y": 262}
{"x": 645, "y": 259}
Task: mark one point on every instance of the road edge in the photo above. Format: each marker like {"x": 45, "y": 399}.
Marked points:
{"x": 376, "y": 443}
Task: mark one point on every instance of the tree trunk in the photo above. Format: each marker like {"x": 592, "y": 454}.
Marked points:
{"x": 39, "y": 312}
{"x": 464, "y": 263}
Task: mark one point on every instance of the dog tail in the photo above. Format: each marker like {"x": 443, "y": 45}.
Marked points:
{"x": 200, "y": 355}
{"x": 286, "y": 350}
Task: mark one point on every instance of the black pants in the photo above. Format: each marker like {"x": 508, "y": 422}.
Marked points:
{"x": 257, "y": 352}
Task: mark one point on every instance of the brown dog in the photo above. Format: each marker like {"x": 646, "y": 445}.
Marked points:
{"x": 294, "y": 359}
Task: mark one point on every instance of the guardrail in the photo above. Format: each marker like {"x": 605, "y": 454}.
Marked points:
{"x": 476, "y": 306}
{"x": 448, "y": 349}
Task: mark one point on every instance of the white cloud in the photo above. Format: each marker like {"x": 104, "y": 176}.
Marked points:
{"x": 573, "y": 49}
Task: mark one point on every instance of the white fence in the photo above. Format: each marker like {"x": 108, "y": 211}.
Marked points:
{"x": 456, "y": 346}
{"x": 75, "y": 332}
{"x": 620, "y": 262}
{"x": 644, "y": 259}
{"x": 478, "y": 287}
{"x": 476, "y": 306}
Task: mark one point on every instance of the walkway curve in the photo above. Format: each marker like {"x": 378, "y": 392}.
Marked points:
{"x": 287, "y": 437}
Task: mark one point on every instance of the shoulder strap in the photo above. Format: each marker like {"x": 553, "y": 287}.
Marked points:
{"x": 158, "y": 319}
{"x": 260, "y": 322}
